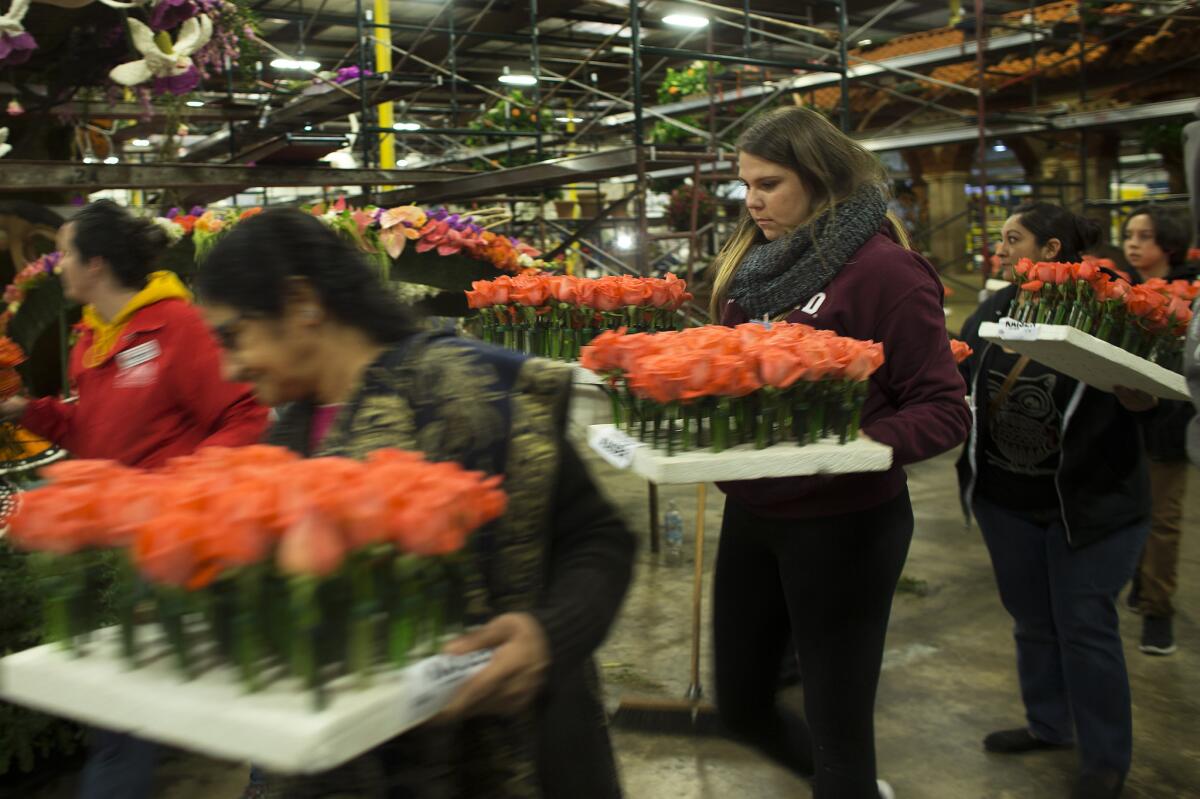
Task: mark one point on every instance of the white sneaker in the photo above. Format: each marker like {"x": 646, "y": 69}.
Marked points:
{"x": 885, "y": 790}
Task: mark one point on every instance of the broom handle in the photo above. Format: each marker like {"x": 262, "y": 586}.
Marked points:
{"x": 697, "y": 587}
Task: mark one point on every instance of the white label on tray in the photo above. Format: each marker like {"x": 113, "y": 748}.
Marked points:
{"x": 435, "y": 680}
{"x": 614, "y": 446}
{"x": 1013, "y": 330}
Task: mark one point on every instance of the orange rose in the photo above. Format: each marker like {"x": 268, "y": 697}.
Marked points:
{"x": 608, "y": 295}
{"x": 164, "y": 549}
{"x": 310, "y": 547}
{"x": 11, "y": 353}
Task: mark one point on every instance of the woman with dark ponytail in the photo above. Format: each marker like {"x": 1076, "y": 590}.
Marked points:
{"x": 146, "y": 373}
{"x": 304, "y": 319}
{"x": 1055, "y": 474}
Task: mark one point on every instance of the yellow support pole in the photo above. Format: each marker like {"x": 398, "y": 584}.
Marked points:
{"x": 383, "y": 63}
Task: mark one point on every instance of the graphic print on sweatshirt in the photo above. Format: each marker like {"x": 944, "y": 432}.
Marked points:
{"x": 1026, "y": 430}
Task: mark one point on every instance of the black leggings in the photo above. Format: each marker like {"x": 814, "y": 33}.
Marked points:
{"x": 829, "y": 582}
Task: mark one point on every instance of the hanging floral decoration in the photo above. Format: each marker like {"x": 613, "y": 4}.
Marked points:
{"x": 16, "y": 43}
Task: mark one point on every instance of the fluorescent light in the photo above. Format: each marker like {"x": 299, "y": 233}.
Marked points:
{"x": 194, "y": 103}
{"x": 308, "y": 127}
{"x": 624, "y": 241}
{"x": 406, "y": 126}
{"x": 292, "y": 63}
{"x": 999, "y": 147}
{"x": 87, "y": 159}
{"x": 402, "y": 162}
{"x": 112, "y": 159}
{"x": 685, "y": 20}
{"x": 864, "y": 42}
{"x": 518, "y": 80}
{"x": 568, "y": 119}
{"x": 140, "y": 143}
{"x": 602, "y": 29}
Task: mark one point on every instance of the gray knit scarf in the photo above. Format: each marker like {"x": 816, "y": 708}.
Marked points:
{"x": 784, "y": 274}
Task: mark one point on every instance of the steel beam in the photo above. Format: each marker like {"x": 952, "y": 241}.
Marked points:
{"x": 817, "y": 80}
{"x": 23, "y": 176}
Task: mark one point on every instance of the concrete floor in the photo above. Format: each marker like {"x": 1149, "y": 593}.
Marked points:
{"x": 949, "y": 675}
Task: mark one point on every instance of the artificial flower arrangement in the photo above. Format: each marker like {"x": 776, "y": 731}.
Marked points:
{"x": 383, "y": 234}
{"x": 555, "y": 315}
{"x": 256, "y": 558}
{"x": 716, "y": 386}
{"x": 1148, "y": 319}
{"x": 170, "y": 46}
{"x": 34, "y": 273}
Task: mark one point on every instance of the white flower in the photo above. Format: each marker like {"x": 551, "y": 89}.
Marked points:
{"x": 174, "y": 232}
{"x": 5, "y": 147}
{"x": 10, "y": 23}
{"x": 160, "y": 58}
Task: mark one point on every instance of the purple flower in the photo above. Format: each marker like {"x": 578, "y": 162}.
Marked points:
{"x": 197, "y": 210}
{"x": 178, "y": 84}
{"x": 174, "y": 212}
{"x": 17, "y": 49}
{"x": 169, "y": 14}
{"x": 50, "y": 261}
{"x": 347, "y": 74}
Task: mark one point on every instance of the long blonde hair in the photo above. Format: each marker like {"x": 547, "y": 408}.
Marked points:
{"x": 831, "y": 166}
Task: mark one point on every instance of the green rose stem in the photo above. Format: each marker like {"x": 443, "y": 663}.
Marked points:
{"x": 761, "y": 432}
{"x": 126, "y": 601}
{"x": 686, "y": 413}
{"x": 362, "y": 625}
{"x": 720, "y": 425}
{"x": 743, "y": 426}
{"x": 614, "y": 399}
{"x": 306, "y": 615}
{"x": 672, "y": 415}
{"x": 248, "y": 583}
{"x": 816, "y": 415}
{"x": 405, "y": 607}
{"x": 172, "y": 603}
{"x": 55, "y": 586}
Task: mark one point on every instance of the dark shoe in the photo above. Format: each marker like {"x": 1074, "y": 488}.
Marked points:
{"x": 1013, "y": 742}
{"x": 1157, "y": 637}
{"x": 1101, "y": 785}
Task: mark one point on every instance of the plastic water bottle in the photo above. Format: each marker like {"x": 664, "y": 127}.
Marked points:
{"x": 673, "y": 533}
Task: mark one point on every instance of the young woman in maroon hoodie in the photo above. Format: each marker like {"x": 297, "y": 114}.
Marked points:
{"x": 820, "y": 556}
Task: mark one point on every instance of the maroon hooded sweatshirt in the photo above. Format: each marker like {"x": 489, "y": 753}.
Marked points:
{"x": 916, "y": 403}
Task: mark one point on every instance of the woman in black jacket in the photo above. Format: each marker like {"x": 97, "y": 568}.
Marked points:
{"x": 1055, "y": 474}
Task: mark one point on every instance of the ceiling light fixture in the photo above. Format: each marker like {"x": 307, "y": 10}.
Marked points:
{"x": 112, "y": 159}
{"x": 140, "y": 143}
{"x": 999, "y": 147}
{"x": 194, "y": 103}
{"x": 685, "y": 20}
{"x": 568, "y": 119}
{"x": 864, "y": 42}
{"x": 406, "y": 126}
{"x": 402, "y": 162}
{"x": 292, "y": 63}
{"x": 518, "y": 80}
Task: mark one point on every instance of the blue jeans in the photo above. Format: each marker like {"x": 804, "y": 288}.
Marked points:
{"x": 119, "y": 766}
{"x": 1070, "y": 660}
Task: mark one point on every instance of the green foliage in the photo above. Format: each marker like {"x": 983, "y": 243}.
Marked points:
{"x": 25, "y": 736}
{"x": 680, "y": 83}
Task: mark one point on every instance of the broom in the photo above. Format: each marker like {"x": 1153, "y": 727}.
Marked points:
{"x": 689, "y": 715}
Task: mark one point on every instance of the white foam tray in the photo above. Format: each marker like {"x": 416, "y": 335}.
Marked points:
{"x": 277, "y": 728}
{"x": 1090, "y": 360}
{"x": 744, "y": 462}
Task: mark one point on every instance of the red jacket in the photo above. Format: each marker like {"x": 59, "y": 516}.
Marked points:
{"x": 157, "y": 395}
{"x": 916, "y": 403}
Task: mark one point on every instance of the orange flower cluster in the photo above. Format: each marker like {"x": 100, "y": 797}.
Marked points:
{"x": 1157, "y": 306}
{"x": 718, "y": 361}
{"x": 606, "y": 294}
{"x": 11, "y": 356}
{"x": 961, "y": 350}
{"x": 221, "y": 509}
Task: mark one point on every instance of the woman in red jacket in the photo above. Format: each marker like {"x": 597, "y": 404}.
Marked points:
{"x": 146, "y": 369}
{"x": 821, "y": 556}
{"x": 147, "y": 375}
